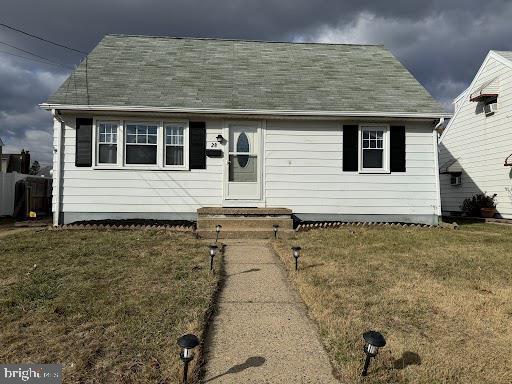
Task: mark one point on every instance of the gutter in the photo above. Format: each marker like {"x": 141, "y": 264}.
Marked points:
{"x": 436, "y": 166}
{"x": 247, "y": 112}
{"x": 57, "y": 173}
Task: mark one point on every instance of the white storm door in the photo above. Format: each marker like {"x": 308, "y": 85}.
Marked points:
{"x": 243, "y": 163}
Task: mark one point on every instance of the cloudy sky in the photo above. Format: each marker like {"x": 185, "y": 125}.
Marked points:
{"x": 442, "y": 42}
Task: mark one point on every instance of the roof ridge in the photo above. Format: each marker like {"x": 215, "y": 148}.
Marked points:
{"x": 238, "y": 40}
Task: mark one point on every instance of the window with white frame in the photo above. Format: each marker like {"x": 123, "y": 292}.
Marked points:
{"x": 141, "y": 143}
{"x": 107, "y": 142}
{"x": 174, "y": 144}
{"x": 374, "y": 155}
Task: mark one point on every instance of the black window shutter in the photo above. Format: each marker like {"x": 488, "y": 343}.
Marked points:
{"x": 83, "y": 147}
{"x": 197, "y": 145}
{"x": 350, "y": 148}
{"x": 397, "y": 148}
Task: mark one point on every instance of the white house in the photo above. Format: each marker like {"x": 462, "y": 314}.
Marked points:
{"x": 475, "y": 150}
{"x": 157, "y": 127}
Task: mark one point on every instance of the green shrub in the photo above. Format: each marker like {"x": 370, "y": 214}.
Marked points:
{"x": 471, "y": 206}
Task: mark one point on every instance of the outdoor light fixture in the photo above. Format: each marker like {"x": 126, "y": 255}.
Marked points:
{"x": 217, "y": 229}
{"x": 220, "y": 139}
{"x": 187, "y": 343}
{"x": 275, "y": 228}
{"x": 374, "y": 340}
{"x": 296, "y": 255}
{"x": 213, "y": 252}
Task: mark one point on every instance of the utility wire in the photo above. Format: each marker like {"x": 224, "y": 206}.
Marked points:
{"x": 36, "y": 60}
{"x": 42, "y": 39}
{"x": 36, "y": 55}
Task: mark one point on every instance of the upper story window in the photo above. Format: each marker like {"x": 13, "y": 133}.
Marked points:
{"x": 141, "y": 143}
{"x": 374, "y": 153}
{"x": 107, "y": 142}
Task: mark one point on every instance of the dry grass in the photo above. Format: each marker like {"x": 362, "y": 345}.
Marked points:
{"x": 108, "y": 305}
{"x": 442, "y": 298}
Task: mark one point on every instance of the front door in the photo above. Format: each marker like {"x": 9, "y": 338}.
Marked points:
{"x": 243, "y": 180}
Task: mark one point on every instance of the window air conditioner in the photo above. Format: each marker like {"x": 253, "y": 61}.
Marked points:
{"x": 490, "y": 108}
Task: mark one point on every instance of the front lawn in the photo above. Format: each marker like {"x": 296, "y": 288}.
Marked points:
{"x": 442, "y": 298}
{"x": 109, "y": 305}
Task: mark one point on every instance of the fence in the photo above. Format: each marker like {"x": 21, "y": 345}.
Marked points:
{"x": 8, "y": 192}
{"x": 33, "y": 194}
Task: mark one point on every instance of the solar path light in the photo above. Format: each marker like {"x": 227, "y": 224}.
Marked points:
{"x": 187, "y": 343}
{"x": 213, "y": 252}
{"x": 217, "y": 230}
{"x": 374, "y": 340}
{"x": 296, "y": 255}
{"x": 275, "y": 227}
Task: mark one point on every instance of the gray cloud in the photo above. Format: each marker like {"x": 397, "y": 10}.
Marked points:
{"x": 441, "y": 42}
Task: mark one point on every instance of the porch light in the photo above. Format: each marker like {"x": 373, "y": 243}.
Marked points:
{"x": 296, "y": 255}
{"x": 374, "y": 340}
{"x": 213, "y": 252}
{"x": 217, "y": 229}
{"x": 187, "y": 343}
{"x": 275, "y": 227}
{"x": 220, "y": 139}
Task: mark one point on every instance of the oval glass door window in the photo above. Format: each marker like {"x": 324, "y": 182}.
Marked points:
{"x": 242, "y": 145}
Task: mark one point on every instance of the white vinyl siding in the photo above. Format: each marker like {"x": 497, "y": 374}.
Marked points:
{"x": 129, "y": 190}
{"x": 481, "y": 144}
{"x": 303, "y": 161}
{"x": 302, "y": 170}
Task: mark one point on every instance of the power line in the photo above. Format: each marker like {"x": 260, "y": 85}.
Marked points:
{"x": 42, "y": 39}
{"x": 34, "y": 54}
{"x": 36, "y": 60}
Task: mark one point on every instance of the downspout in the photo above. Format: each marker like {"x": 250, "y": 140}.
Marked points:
{"x": 57, "y": 173}
{"x": 436, "y": 166}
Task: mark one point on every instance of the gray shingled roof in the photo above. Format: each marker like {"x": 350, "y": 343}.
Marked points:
{"x": 243, "y": 75}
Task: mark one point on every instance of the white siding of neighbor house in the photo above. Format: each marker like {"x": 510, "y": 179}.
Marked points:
{"x": 481, "y": 143}
{"x": 303, "y": 171}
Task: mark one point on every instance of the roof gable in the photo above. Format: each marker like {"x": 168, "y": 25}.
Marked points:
{"x": 466, "y": 95}
{"x": 506, "y": 55}
{"x": 243, "y": 75}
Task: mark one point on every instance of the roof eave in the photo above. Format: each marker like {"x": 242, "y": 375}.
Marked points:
{"x": 245, "y": 112}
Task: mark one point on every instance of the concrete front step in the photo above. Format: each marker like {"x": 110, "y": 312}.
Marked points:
{"x": 252, "y": 233}
{"x": 235, "y": 223}
{"x": 220, "y": 211}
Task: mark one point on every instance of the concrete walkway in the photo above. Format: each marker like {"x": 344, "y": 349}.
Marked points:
{"x": 261, "y": 333}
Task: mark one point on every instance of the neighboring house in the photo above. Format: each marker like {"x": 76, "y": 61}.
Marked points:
{"x": 156, "y": 127}
{"x": 1, "y": 147}
{"x": 475, "y": 151}
{"x": 45, "y": 171}
{"x": 15, "y": 162}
